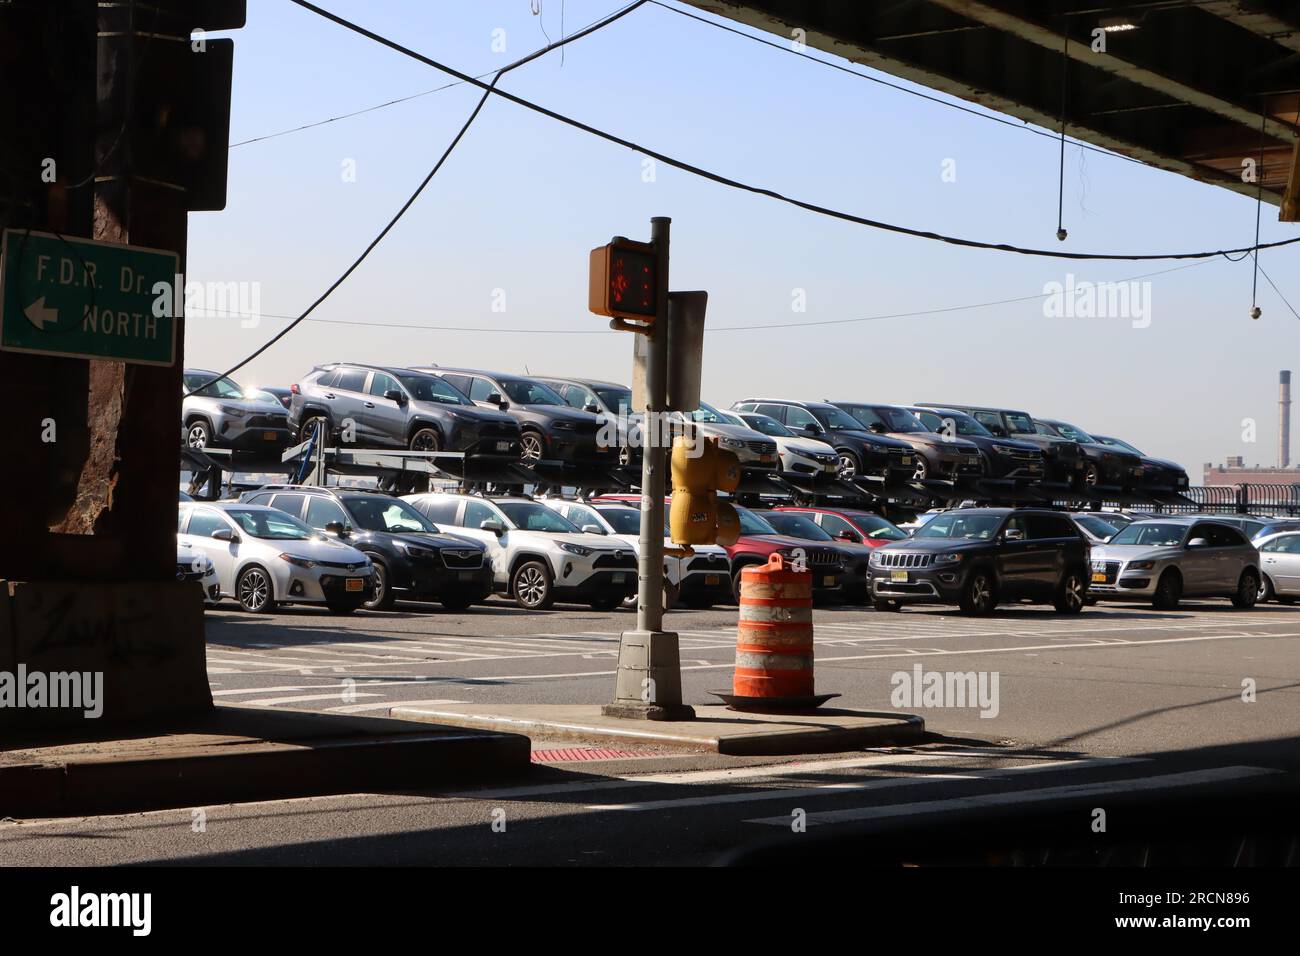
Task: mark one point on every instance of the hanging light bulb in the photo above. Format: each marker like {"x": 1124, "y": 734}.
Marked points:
{"x": 1255, "y": 312}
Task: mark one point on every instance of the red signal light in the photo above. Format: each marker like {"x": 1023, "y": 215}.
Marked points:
{"x": 623, "y": 280}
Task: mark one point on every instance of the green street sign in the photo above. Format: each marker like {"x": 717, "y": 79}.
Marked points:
{"x": 78, "y": 298}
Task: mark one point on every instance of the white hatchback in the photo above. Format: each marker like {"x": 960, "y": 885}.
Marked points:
{"x": 264, "y": 557}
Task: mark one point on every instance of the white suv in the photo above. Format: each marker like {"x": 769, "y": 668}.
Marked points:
{"x": 700, "y": 581}
{"x": 537, "y": 556}
{"x": 264, "y": 557}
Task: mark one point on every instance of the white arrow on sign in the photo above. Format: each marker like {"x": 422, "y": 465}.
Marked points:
{"x": 39, "y": 315}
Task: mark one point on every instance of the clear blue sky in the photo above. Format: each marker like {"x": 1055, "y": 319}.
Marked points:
{"x": 523, "y": 199}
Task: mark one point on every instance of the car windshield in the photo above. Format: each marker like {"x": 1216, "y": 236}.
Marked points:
{"x": 971, "y": 527}
{"x": 270, "y": 524}
{"x": 796, "y": 526}
{"x": 430, "y": 388}
{"x": 1118, "y": 444}
{"x": 1096, "y": 526}
{"x": 221, "y": 388}
{"x": 1020, "y": 424}
{"x": 710, "y": 416}
{"x": 1153, "y": 534}
{"x": 892, "y": 419}
{"x": 615, "y": 399}
{"x": 838, "y": 420}
{"x": 1115, "y": 520}
{"x": 521, "y": 391}
{"x": 1074, "y": 434}
{"x": 751, "y": 523}
{"x": 962, "y": 425}
{"x": 530, "y": 516}
{"x": 258, "y": 395}
{"x": 386, "y": 514}
{"x": 622, "y": 520}
{"x": 767, "y": 425}
{"x": 874, "y": 526}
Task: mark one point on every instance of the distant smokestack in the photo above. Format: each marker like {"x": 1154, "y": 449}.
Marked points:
{"x": 1284, "y": 419}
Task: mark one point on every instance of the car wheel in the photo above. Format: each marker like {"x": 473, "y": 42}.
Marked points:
{"x": 254, "y": 592}
{"x": 1091, "y": 476}
{"x": 1247, "y": 591}
{"x": 383, "y": 597}
{"x": 922, "y": 471}
{"x": 310, "y": 424}
{"x": 1072, "y": 594}
{"x": 531, "y": 586}
{"x": 425, "y": 439}
{"x": 530, "y": 448}
{"x": 977, "y": 595}
{"x": 199, "y": 434}
{"x": 884, "y": 604}
{"x": 1266, "y": 592}
{"x": 1169, "y": 591}
{"x": 849, "y": 465}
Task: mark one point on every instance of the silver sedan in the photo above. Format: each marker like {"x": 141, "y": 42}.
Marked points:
{"x": 1279, "y": 556}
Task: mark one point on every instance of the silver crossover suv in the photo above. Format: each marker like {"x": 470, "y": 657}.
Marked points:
{"x": 224, "y": 414}
{"x": 1163, "y": 560}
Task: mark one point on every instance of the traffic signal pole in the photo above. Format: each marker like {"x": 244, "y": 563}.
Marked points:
{"x": 648, "y": 685}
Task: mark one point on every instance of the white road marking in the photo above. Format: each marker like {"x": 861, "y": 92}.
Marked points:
{"x": 388, "y": 704}
{"x": 1131, "y": 785}
{"x": 870, "y": 783}
{"x": 276, "y": 701}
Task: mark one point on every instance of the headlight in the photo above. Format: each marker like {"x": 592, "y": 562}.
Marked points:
{"x": 298, "y": 562}
{"x": 232, "y": 411}
{"x": 577, "y": 549}
{"x": 565, "y": 426}
{"x": 877, "y": 559}
{"x": 1005, "y": 449}
{"x": 732, "y": 443}
{"x": 951, "y": 558}
{"x": 415, "y": 551}
{"x": 1139, "y": 566}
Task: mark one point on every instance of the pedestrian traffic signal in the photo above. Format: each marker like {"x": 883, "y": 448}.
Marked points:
{"x": 624, "y": 280}
{"x": 700, "y": 470}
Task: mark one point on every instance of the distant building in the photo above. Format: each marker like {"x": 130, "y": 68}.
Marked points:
{"x": 1235, "y": 472}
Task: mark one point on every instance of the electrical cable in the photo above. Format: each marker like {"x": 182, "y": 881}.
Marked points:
{"x": 763, "y": 191}
{"x": 487, "y": 91}
{"x": 532, "y": 330}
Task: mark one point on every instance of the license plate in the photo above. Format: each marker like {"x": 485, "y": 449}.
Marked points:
{"x": 466, "y": 576}
{"x": 767, "y": 459}
{"x": 906, "y": 459}
{"x": 829, "y": 581}
{"x": 899, "y": 576}
{"x": 503, "y": 446}
{"x": 619, "y": 577}
{"x": 270, "y": 436}
{"x": 356, "y": 584}
{"x": 1099, "y": 577}
{"x": 710, "y": 580}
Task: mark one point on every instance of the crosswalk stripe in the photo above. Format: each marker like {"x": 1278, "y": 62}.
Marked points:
{"x": 1129, "y": 785}
{"x": 388, "y": 704}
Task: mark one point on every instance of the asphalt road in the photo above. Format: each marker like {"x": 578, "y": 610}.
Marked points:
{"x": 1119, "y": 700}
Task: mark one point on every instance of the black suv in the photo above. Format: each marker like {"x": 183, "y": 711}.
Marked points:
{"x": 862, "y": 454}
{"x": 1063, "y": 461}
{"x": 1003, "y": 457}
{"x": 978, "y": 557}
{"x": 944, "y": 457}
{"x": 397, "y": 408}
{"x": 1159, "y": 475}
{"x": 609, "y": 400}
{"x": 413, "y": 560}
{"x": 549, "y": 428}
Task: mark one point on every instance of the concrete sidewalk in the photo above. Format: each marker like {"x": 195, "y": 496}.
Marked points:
{"x": 716, "y": 728}
{"x": 239, "y": 754}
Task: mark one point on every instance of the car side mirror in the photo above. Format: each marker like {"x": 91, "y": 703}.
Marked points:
{"x": 812, "y": 428}
{"x": 591, "y": 407}
{"x": 225, "y": 534}
{"x": 998, "y": 430}
{"x": 337, "y": 528}
{"x": 394, "y": 395}
{"x": 876, "y": 427}
{"x": 592, "y": 529}
{"x": 1197, "y": 543}
{"x": 494, "y": 398}
{"x": 848, "y": 536}
{"x": 1013, "y": 534}
{"x": 494, "y": 525}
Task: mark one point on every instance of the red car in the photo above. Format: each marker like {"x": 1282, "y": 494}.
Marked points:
{"x": 759, "y": 540}
{"x": 853, "y": 526}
